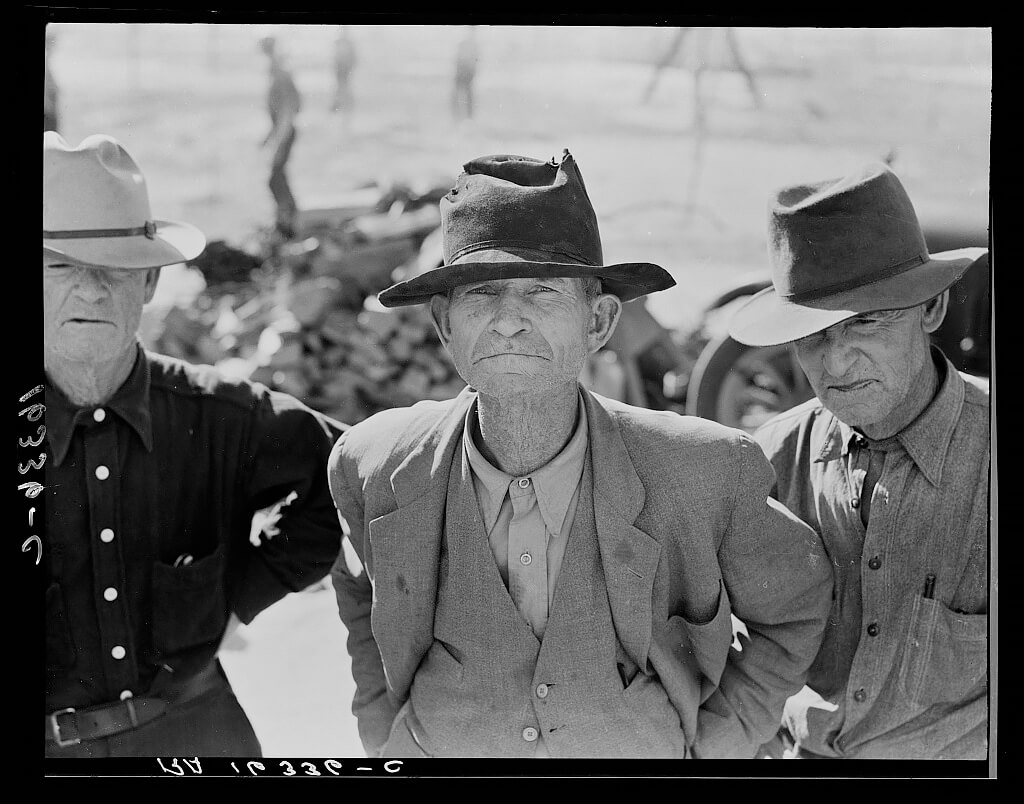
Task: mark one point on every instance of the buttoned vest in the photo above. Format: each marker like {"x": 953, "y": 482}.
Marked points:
{"x": 487, "y": 687}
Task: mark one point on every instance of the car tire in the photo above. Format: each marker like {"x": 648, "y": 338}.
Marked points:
{"x": 743, "y": 386}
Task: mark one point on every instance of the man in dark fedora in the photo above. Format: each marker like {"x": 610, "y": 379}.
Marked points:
{"x": 154, "y": 469}
{"x": 889, "y": 463}
{"x": 536, "y": 570}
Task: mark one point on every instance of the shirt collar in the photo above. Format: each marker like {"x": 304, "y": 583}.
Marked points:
{"x": 130, "y": 402}
{"x": 926, "y": 439}
{"x": 554, "y": 483}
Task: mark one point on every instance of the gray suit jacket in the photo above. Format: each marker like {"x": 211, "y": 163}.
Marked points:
{"x": 687, "y": 537}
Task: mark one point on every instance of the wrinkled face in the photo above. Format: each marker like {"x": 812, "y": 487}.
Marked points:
{"x": 863, "y": 369}
{"x": 92, "y": 314}
{"x": 522, "y": 335}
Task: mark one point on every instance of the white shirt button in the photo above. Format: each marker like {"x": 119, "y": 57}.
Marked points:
{"x": 530, "y": 734}
{"x": 102, "y": 472}
{"x": 526, "y": 559}
{"x": 524, "y": 482}
{"x": 99, "y": 414}
{"x": 126, "y": 694}
{"x": 110, "y": 594}
{"x": 542, "y": 690}
{"x": 106, "y": 535}
{"x": 118, "y": 652}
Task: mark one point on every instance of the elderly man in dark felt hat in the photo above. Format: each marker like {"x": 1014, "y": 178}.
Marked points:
{"x": 154, "y": 471}
{"x": 535, "y": 571}
{"x": 889, "y": 463}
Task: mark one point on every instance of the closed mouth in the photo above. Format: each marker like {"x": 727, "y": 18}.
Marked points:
{"x": 853, "y": 386}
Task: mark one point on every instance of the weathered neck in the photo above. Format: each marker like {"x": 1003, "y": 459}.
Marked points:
{"x": 87, "y": 383}
{"x": 521, "y": 433}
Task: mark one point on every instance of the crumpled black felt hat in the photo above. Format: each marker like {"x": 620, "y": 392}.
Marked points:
{"x": 513, "y": 216}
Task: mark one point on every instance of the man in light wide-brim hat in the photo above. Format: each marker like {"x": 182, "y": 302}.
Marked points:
{"x": 154, "y": 470}
{"x": 889, "y": 463}
{"x": 537, "y": 570}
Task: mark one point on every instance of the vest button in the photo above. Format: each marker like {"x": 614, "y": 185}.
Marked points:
{"x": 860, "y": 695}
{"x": 530, "y": 734}
{"x": 875, "y": 562}
{"x": 855, "y": 502}
{"x": 873, "y": 629}
{"x": 542, "y": 690}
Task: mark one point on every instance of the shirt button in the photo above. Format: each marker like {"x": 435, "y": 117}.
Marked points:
{"x": 126, "y": 694}
{"x": 118, "y": 652}
{"x": 873, "y": 629}
{"x": 524, "y": 482}
{"x": 854, "y": 502}
{"x": 542, "y": 690}
{"x": 526, "y": 559}
{"x": 106, "y": 535}
{"x": 110, "y": 594}
{"x": 860, "y": 695}
{"x": 530, "y": 734}
{"x": 99, "y": 414}
{"x": 102, "y": 472}
{"x": 875, "y": 562}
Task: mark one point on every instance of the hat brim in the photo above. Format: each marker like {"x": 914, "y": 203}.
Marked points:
{"x": 173, "y": 242}
{"x": 628, "y": 280}
{"x": 766, "y": 319}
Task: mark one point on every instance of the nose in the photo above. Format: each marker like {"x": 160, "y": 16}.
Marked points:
{"x": 90, "y": 285}
{"x": 508, "y": 319}
{"x": 837, "y": 357}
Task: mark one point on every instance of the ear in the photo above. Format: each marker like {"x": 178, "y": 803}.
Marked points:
{"x": 934, "y": 311}
{"x": 605, "y": 314}
{"x": 152, "y": 277}
{"x": 439, "y": 305}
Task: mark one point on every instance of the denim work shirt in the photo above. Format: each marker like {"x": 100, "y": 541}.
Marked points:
{"x": 149, "y": 504}
{"x": 906, "y": 671}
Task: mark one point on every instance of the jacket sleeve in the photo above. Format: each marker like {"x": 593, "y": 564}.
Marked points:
{"x": 371, "y": 705}
{"x": 286, "y": 488}
{"x": 779, "y": 583}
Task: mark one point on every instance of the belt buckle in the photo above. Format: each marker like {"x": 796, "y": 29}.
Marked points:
{"x": 62, "y": 743}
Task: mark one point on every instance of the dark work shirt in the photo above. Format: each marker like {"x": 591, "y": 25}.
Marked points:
{"x": 149, "y": 510}
{"x": 904, "y": 673}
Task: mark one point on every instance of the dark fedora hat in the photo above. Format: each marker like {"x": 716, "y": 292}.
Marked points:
{"x": 839, "y": 248}
{"x": 513, "y": 216}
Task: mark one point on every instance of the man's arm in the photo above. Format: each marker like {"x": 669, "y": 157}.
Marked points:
{"x": 779, "y": 583}
{"x": 289, "y": 445}
{"x": 372, "y": 706}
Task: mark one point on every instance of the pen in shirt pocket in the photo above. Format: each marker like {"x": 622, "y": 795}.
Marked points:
{"x": 929, "y": 586}
{"x": 183, "y": 560}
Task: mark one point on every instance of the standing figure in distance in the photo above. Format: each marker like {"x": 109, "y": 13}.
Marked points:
{"x": 466, "y": 57}
{"x": 534, "y": 570}
{"x": 344, "y": 61}
{"x": 889, "y": 463}
{"x": 283, "y": 104}
{"x": 154, "y": 471}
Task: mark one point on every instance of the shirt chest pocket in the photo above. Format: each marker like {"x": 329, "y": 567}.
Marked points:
{"x": 946, "y": 655}
{"x": 189, "y": 603}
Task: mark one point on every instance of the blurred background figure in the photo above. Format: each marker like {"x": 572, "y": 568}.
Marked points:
{"x": 51, "y": 109}
{"x": 283, "y": 104}
{"x": 466, "y": 57}
{"x": 344, "y": 63}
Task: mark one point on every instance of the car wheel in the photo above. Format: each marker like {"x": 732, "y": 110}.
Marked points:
{"x": 744, "y": 386}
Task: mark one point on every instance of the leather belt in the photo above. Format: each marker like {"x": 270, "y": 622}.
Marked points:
{"x": 70, "y": 726}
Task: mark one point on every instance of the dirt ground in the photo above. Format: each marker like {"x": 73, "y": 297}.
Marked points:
{"x": 188, "y": 101}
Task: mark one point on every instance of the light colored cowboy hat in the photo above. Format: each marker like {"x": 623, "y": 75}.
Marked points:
{"x": 96, "y": 209}
{"x": 513, "y": 216}
{"x": 839, "y": 248}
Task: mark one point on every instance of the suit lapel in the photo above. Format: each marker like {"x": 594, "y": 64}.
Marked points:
{"x": 406, "y": 548}
{"x": 629, "y": 556}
